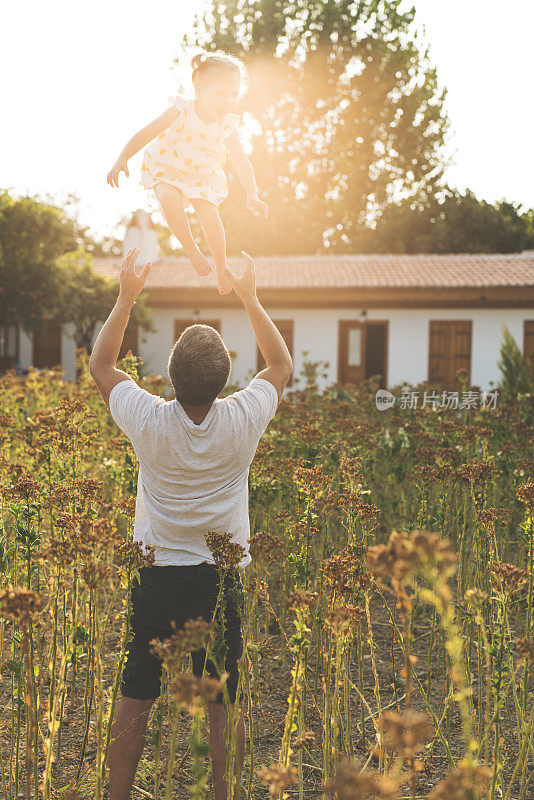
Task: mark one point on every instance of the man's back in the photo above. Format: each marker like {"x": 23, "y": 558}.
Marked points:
{"x": 192, "y": 478}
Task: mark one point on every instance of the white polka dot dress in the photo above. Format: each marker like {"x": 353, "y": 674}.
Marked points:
{"x": 190, "y": 155}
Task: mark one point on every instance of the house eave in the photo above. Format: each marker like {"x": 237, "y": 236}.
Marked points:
{"x": 405, "y": 297}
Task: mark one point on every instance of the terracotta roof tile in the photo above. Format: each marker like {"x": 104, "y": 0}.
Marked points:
{"x": 351, "y": 271}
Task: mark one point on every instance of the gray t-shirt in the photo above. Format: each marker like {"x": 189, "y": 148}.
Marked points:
{"x": 192, "y": 478}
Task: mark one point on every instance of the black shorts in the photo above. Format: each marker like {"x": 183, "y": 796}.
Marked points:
{"x": 179, "y": 593}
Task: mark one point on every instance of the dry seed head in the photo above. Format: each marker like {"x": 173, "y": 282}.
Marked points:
{"x": 302, "y": 598}
{"x": 25, "y": 488}
{"x": 66, "y": 521}
{"x": 351, "y": 783}
{"x": 476, "y": 472}
{"x": 508, "y": 577}
{"x": 285, "y": 519}
{"x": 476, "y": 597}
{"x": 525, "y": 494}
{"x": 306, "y": 739}
{"x": 344, "y": 572}
{"x": 268, "y": 545}
{"x": 127, "y": 504}
{"x": 312, "y": 481}
{"x": 186, "y": 687}
{"x": 407, "y": 733}
{"x": 350, "y": 467}
{"x": 61, "y": 552}
{"x": 191, "y": 637}
{"x": 94, "y": 574}
{"x": 60, "y": 495}
{"x": 277, "y": 777}
{"x": 525, "y": 648}
{"x": 344, "y": 616}
{"x": 89, "y": 489}
{"x": 463, "y": 783}
{"x": 427, "y": 474}
{"x": 20, "y": 605}
{"x": 226, "y": 554}
{"x": 407, "y": 553}
{"x": 130, "y": 555}
{"x": 490, "y": 515}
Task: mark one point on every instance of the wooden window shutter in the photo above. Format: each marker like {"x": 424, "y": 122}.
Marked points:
{"x": 449, "y": 351}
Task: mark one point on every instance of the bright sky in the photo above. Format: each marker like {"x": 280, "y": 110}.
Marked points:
{"x": 79, "y": 80}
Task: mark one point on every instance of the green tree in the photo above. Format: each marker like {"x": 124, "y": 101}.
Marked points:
{"x": 450, "y": 222}
{"x": 87, "y": 299}
{"x": 346, "y": 109}
{"x": 513, "y": 367}
{"x": 33, "y": 234}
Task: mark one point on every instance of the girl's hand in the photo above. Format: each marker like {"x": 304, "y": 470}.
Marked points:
{"x": 255, "y": 204}
{"x": 113, "y": 175}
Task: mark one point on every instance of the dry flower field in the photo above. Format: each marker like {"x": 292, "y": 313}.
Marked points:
{"x": 388, "y": 626}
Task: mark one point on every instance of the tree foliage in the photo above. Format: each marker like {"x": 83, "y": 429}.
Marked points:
{"x": 450, "y": 222}
{"x": 87, "y": 298}
{"x": 46, "y": 271}
{"x": 513, "y": 366}
{"x": 346, "y": 112}
{"x": 33, "y": 235}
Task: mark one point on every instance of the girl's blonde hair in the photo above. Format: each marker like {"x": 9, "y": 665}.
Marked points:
{"x": 205, "y": 64}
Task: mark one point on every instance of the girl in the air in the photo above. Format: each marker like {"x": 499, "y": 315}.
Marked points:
{"x": 185, "y": 157}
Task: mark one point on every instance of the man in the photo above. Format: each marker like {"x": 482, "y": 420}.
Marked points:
{"x": 194, "y": 456}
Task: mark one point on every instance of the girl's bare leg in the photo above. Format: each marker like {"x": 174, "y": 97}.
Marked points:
{"x": 212, "y": 226}
{"x": 172, "y": 203}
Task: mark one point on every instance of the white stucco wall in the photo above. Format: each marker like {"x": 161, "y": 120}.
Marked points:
{"x": 68, "y": 352}
{"x": 316, "y": 331}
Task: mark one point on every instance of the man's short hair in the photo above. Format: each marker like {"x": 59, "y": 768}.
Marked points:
{"x": 199, "y": 365}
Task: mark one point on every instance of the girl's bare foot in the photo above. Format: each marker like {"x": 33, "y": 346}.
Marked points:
{"x": 201, "y": 263}
{"x": 223, "y": 282}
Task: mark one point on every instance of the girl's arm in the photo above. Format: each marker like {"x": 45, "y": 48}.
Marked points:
{"x": 245, "y": 173}
{"x": 139, "y": 140}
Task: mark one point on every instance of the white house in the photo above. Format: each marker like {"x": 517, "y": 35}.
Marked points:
{"x": 409, "y": 318}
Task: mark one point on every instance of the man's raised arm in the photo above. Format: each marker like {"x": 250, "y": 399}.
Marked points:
{"x": 272, "y": 346}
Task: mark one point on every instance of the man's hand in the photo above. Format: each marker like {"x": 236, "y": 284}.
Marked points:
{"x": 245, "y": 286}
{"x": 255, "y": 204}
{"x": 121, "y": 165}
{"x": 130, "y": 282}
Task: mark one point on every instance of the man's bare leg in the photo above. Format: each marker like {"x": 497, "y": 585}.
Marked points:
{"x": 219, "y": 747}
{"x": 131, "y": 717}
{"x": 213, "y": 228}
{"x": 172, "y": 203}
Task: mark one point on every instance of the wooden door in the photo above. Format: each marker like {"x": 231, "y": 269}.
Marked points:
{"x": 9, "y": 346}
{"x": 449, "y": 351}
{"x": 130, "y": 340}
{"x": 47, "y": 345}
{"x": 285, "y": 326}
{"x": 351, "y": 352}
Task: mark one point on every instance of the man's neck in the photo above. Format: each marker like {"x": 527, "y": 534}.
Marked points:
{"x": 196, "y": 413}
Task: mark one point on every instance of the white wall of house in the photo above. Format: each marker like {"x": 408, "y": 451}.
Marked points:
{"x": 68, "y": 352}
{"x": 316, "y": 331}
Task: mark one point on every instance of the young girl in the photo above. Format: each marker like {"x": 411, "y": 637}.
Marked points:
{"x": 184, "y": 162}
